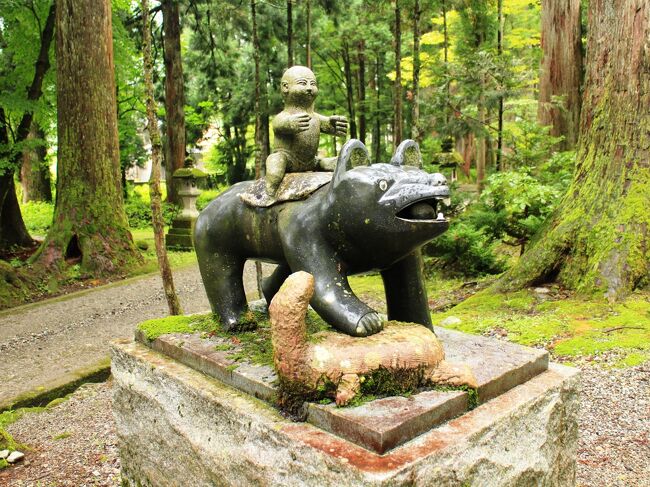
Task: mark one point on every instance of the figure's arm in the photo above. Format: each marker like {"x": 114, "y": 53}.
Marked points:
{"x": 288, "y": 124}
{"x": 334, "y": 125}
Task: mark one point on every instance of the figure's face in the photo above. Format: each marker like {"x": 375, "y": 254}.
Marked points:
{"x": 299, "y": 86}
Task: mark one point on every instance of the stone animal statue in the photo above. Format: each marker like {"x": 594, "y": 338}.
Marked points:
{"x": 342, "y": 360}
{"x": 297, "y": 130}
{"x": 369, "y": 217}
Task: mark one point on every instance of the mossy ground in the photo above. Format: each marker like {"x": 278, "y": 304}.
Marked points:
{"x": 572, "y": 328}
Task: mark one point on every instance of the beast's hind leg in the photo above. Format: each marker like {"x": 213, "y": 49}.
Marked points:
{"x": 222, "y": 278}
{"x": 273, "y": 283}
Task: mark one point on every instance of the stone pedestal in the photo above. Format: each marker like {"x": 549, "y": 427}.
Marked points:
{"x": 179, "y": 425}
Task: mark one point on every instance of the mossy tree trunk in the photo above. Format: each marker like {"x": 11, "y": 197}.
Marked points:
{"x": 597, "y": 240}
{"x": 174, "y": 94}
{"x": 397, "y": 84}
{"x": 561, "y": 69}
{"x": 89, "y": 220}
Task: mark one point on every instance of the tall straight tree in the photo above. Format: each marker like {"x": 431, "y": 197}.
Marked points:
{"x": 561, "y": 69}
{"x": 415, "y": 117}
{"x": 89, "y": 224}
{"x": 397, "y": 85}
{"x": 598, "y": 239}
{"x": 290, "y": 60}
{"x": 174, "y": 94}
{"x": 156, "y": 155}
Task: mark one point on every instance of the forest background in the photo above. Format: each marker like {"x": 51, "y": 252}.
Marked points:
{"x": 492, "y": 90}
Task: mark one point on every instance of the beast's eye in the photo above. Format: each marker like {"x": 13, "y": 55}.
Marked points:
{"x": 383, "y": 185}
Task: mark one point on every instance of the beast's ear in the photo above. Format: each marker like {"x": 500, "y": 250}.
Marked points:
{"x": 407, "y": 154}
{"x": 353, "y": 154}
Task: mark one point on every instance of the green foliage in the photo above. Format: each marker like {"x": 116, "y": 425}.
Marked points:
{"x": 529, "y": 144}
{"x": 463, "y": 250}
{"x": 206, "y": 197}
{"x": 138, "y": 212}
{"x": 37, "y": 216}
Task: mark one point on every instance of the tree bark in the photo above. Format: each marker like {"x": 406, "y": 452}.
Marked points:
{"x": 34, "y": 172}
{"x": 361, "y": 57}
{"x": 376, "y": 131}
{"x": 289, "y": 33}
{"x": 174, "y": 94}
{"x": 156, "y": 157}
{"x": 397, "y": 86}
{"x": 89, "y": 224}
{"x": 500, "y": 113}
{"x": 308, "y": 48}
{"x": 260, "y": 141}
{"x": 561, "y": 69}
{"x": 597, "y": 240}
{"x": 415, "y": 114}
{"x": 349, "y": 89}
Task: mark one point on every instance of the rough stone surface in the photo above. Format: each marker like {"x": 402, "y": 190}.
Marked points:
{"x": 4, "y": 454}
{"x": 15, "y": 457}
{"x": 177, "y": 426}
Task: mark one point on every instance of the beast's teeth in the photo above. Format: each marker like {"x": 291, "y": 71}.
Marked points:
{"x": 447, "y": 201}
{"x": 441, "y": 216}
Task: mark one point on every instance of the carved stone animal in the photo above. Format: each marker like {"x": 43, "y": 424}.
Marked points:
{"x": 369, "y": 217}
{"x": 342, "y": 360}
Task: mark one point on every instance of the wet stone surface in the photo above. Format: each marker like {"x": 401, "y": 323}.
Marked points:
{"x": 384, "y": 423}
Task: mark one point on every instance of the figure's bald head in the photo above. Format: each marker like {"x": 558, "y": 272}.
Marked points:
{"x": 299, "y": 87}
{"x": 297, "y": 72}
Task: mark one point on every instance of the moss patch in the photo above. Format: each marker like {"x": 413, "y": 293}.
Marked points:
{"x": 152, "y": 329}
{"x": 570, "y": 327}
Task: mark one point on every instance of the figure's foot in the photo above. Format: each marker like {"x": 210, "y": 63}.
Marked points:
{"x": 347, "y": 389}
{"x": 369, "y": 324}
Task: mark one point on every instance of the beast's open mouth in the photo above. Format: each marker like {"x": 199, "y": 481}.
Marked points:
{"x": 427, "y": 209}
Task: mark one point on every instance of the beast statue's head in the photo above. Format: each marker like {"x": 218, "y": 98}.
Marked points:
{"x": 382, "y": 212}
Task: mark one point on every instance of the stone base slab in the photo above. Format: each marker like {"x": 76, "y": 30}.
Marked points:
{"x": 177, "y": 426}
{"x": 384, "y": 423}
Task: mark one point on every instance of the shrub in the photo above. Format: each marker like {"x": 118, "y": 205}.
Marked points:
{"x": 464, "y": 250}
{"x": 37, "y": 216}
{"x": 138, "y": 213}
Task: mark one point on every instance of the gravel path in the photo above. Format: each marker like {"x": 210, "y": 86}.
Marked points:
{"x": 614, "y": 447}
{"x": 45, "y": 344}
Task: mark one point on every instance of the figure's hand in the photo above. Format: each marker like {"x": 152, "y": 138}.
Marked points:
{"x": 340, "y": 125}
{"x": 300, "y": 122}
{"x": 369, "y": 324}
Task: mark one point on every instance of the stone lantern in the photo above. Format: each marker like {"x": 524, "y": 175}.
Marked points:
{"x": 448, "y": 158}
{"x": 186, "y": 180}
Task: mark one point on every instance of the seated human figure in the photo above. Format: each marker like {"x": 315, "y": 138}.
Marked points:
{"x": 297, "y": 130}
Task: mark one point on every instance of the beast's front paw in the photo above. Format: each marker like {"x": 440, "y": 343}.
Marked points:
{"x": 369, "y": 324}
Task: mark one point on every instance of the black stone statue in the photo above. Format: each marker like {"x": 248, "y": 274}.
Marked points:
{"x": 369, "y": 217}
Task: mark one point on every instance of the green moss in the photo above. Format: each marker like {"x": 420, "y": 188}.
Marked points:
{"x": 152, "y": 329}
{"x": 62, "y": 436}
{"x": 569, "y": 327}
{"x": 189, "y": 172}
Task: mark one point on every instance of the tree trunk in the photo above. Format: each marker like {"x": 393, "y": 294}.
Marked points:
{"x": 156, "y": 157}
{"x": 347, "y": 70}
{"x": 260, "y": 141}
{"x": 361, "y": 57}
{"x": 34, "y": 171}
{"x": 500, "y": 115}
{"x": 376, "y": 131}
{"x": 415, "y": 114}
{"x": 561, "y": 69}
{"x": 397, "y": 86}
{"x": 89, "y": 224}
{"x": 289, "y": 34}
{"x": 597, "y": 239}
{"x": 308, "y": 48}
{"x": 481, "y": 145}
{"x": 174, "y": 94}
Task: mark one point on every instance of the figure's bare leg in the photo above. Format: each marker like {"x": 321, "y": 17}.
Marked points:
{"x": 327, "y": 163}
{"x": 276, "y": 166}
